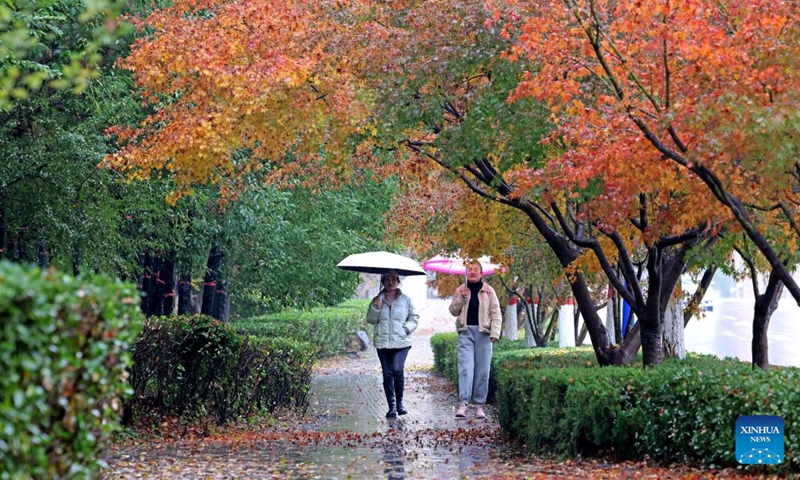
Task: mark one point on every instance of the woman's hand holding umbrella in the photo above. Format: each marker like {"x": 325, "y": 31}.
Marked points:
{"x": 463, "y": 291}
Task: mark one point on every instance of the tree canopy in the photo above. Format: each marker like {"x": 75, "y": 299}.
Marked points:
{"x": 55, "y": 43}
{"x": 608, "y": 125}
{"x": 707, "y": 87}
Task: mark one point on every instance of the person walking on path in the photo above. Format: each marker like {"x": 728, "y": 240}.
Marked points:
{"x": 394, "y": 317}
{"x": 478, "y": 321}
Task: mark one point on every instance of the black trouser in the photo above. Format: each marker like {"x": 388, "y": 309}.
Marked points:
{"x": 393, "y": 361}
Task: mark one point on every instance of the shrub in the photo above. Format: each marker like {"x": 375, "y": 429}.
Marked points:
{"x": 683, "y": 410}
{"x": 558, "y": 401}
{"x": 63, "y": 357}
{"x": 445, "y": 355}
{"x": 194, "y": 366}
{"x": 506, "y": 354}
{"x": 272, "y": 373}
{"x": 182, "y": 363}
{"x": 329, "y": 329}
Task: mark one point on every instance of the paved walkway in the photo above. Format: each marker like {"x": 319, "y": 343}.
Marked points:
{"x": 349, "y": 437}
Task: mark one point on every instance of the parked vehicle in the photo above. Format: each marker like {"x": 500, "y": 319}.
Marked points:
{"x": 689, "y": 286}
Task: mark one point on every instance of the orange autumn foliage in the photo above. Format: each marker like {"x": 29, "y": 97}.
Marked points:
{"x": 714, "y": 82}
{"x": 257, "y": 76}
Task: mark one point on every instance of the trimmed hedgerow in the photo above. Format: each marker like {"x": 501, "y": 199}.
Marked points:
{"x": 63, "y": 356}
{"x": 445, "y": 355}
{"x": 195, "y": 366}
{"x": 183, "y": 364}
{"x": 560, "y": 401}
{"x": 506, "y": 352}
{"x": 330, "y": 329}
{"x": 272, "y": 373}
{"x": 679, "y": 411}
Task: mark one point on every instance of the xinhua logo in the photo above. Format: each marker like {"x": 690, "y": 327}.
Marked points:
{"x": 759, "y": 439}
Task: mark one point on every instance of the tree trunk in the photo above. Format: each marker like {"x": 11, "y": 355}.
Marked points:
{"x": 650, "y": 321}
{"x": 166, "y": 291}
{"x": 2, "y": 228}
{"x": 210, "y": 280}
{"x": 762, "y": 312}
{"x": 531, "y": 313}
{"x": 674, "y": 340}
{"x": 550, "y": 331}
{"x": 140, "y": 283}
{"x": 23, "y": 253}
{"x": 611, "y": 316}
{"x": 538, "y": 305}
{"x": 13, "y": 250}
{"x": 77, "y": 260}
{"x": 43, "y": 256}
{"x": 566, "y": 325}
{"x": 665, "y": 264}
{"x": 581, "y": 335}
{"x": 697, "y": 296}
{"x": 606, "y": 353}
{"x": 567, "y": 252}
{"x": 580, "y": 332}
{"x": 146, "y": 264}
{"x": 566, "y": 248}
{"x": 185, "y": 294}
{"x": 154, "y": 305}
{"x": 510, "y": 325}
{"x": 220, "y": 311}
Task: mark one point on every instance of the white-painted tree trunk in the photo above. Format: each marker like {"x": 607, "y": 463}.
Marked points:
{"x": 530, "y": 340}
{"x": 674, "y": 339}
{"x": 510, "y": 323}
{"x": 612, "y": 340}
{"x": 566, "y": 326}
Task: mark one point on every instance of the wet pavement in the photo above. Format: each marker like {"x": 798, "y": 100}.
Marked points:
{"x": 346, "y": 435}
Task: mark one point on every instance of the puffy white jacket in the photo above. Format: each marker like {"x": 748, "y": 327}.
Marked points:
{"x": 393, "y": 324}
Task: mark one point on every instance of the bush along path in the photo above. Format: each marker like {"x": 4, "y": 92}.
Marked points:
{"x": 344, "y": 434}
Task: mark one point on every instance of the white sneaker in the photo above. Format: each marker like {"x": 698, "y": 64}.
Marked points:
{"x": 462, "y": 411}
{"x": 479, "y": 413}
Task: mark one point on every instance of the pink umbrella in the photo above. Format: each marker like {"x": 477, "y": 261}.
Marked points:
{"x": 455, "y": 266}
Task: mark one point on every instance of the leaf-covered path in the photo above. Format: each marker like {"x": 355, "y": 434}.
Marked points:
{"x": 345, "y": 435}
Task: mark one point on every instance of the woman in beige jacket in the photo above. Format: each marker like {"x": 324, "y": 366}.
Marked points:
{"x": 478, "y": 322}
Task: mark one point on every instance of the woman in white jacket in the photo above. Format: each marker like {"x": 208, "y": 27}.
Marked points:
{"x": 395, "y": 319}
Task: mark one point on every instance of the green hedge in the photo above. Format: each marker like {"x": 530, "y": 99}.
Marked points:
{"x": 679, "y": 411}
{"x": 445, "y": 357}
{"x": 273, "y": 373}
{"x": 688, "y": 410}
{"x": 330, "y": 329}
{"x": 559, "y": 401}
{"x": 63, "y": 357}
{"x": 195, "y": 366}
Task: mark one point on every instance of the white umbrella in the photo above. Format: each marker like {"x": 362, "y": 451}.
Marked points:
{"x": 380, "y": 263}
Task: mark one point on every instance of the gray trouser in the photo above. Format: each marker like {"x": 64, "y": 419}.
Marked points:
{"x": 474, "y": 361}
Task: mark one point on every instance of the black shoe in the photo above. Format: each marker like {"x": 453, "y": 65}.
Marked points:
{"x": 392, "y": 413}
{"x": 401, "y": 409}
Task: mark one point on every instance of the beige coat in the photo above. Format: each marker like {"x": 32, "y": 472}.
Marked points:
{"x": 489, "y": 318}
